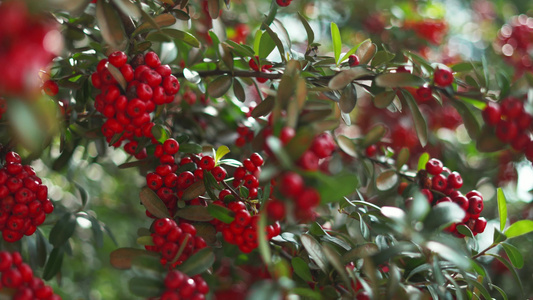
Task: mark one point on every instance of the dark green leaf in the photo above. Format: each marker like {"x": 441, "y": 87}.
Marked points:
{"x": 308, "y": 29}
{"x": 444, "y": 214}
{"x": 121, "y": 258}
{"x": 53, "y": 264}
{"x": 277, "y": 41}
{"x": 314, "y": 249}
{"x": 266, "y": 45}
{"x": 393, "y": 80}
{"x": 198, "y": 262}
{"x": 63, "y": 230}
{"x": 384, "y": 99}
{"x": 348, "y": 99}
{"x": 110, "y": 26}
{"x": 221, "y": 213}
{"x": 301, "y": 269}
{"x": 195, "y": 190}
{"x": 387, "y": 180}
{"x": 343, "y": 78}
{"x": 146, "y": 287}
{"x": 238, "y": 90}
{"x": 487, "y": 141}
{"x": 194, "y": 213}
{"x": 174, "y": 34}
{"x": 190, "y": 148}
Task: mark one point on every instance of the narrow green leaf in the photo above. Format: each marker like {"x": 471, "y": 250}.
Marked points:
{"x": 514, "y": 255}
{"x": 314, "y": 249}
{"x": 353, "y": 50}
{"x": 110, "y": 26}
{"x": 257, "y": 41}
{"x": 403, "y": 158}
{"x": 198, "y": 262}
{"x": 277, "y": 41}
{"x": 502, "y": 208}
{"x": 308, "y": 29}
{"x": 419, "y": 121}
{"x": 266, "y": 45}
{"x": 264, "y": 245}
{"x": 500, "y": 290}
{"x": 336, "y": 41}
{"x": 344, "y": 77}
{"x": 519, "y": 228}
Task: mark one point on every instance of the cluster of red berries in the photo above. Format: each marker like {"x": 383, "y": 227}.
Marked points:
{"x": 24, "y": 199}
{"x": 29, "y": 43}
{"x": 248, "y": 174}
{"x": 305, "y": 199}
{"x": 239, "y": 33}
{"x": 18, "y": 275}
{"x": 169, "y": 239}
{"x": 431, "y": 30}
{"x": 246, "y": 135}
{"x": 443, "y": 181}
{"x": 316, "y": 156}
{"x": 179, "y": 286}
{"x": 513, "y": 124}
{"x": 169, "y": 185}
{"x": 261, "y": 68}
{"x": 149, "y": 83}
{"x": 242, "y": 231}
{"x": 515, "y": 41}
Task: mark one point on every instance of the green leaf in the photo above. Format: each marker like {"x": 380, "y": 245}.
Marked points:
{"x": 238, "y": 90}
{"x": 264, "y": 289}
{"x": 498, "y": 236}
{"x": 26, "y": 126}
{"x": 422, "y": 161}
{"x": 161, "y": 20}
{"x": 306, "y": 293}
{"x": 146, "y": 287}
{"x": 160, "y": 133}
{"x": 449, "y": 254}
{"x": 277, "y": 148}
{"x": 502, "y": 208}
{"x": 374, "y": 135}
{"x": 345, "y": 77}
{"x": 512, "y": 269}
{"x": 174, "y": 34}
{"x": 110, "y": 26}
{"x": 301, "y": 269}
{"x": 221, "y": 152}
{"x": 266, "y": 45}
{"x": 264, "y": 246}
{"x": 198, "y": 262}
{"x": 314, "y": 249}
{"x": 384, "y": 99}
{"x": 128, "y": 8}
{"x": 471, "y": 123}
{"x": 333, "y": 188}
{"x": 190, "y": 148}
{"x": 500, "y": 290}
{"x": 519, "y": 228}
{"x": 514, "y": 255}
{"x": 153, "y": 203}
{"x": 194, "y": 213}
{"x": 403, "y": 158}
{"x": 348, "y": 99}
{"x": 277, "y": 41}
{"x": 353, "y": 50}
{"x": 336, "y": 261}
{"x": 257, "y": 41}
{"x": 360, "y": 251}
{"x": 347, "y": 145}
{"x": 336, "y": 41}
{"x": 444, "y": 214}
{"x": 480, "y": 287}
{"x": 419, "y": 121}
{"x": 63, "y": 230}
{"x": 53, "y": 264}
{"x": 382, "y": 57}
{"x": 219, "y": 86}
{"x": 308, "y": 29}
{"x": 83, "y": 195}
{"x": 387, "y": 180}
{"x": 393, "y": 80}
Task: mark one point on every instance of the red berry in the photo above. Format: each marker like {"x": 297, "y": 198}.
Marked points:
{"x": 50, "y": 88}
{"x": 163, "y": 226}
{"x": 353, "y": 60}
{"x": 257, "y": 159}
{"x": 443, "y": 77}
{"x": 275, "y": 209}
{"x": 185, "y": 179}
{"x": 174, "y": 279}
{"x": 219, "y": 173}
{"x": 434, "y": 166}
{"x": 512, "y": 108}
{"x": 492, "y": 113}
{"x": 455, "y": 180}
{"x": 291, "y": 184}
{"x": 171, "y": 85}
{"x": 5, "y": 261}
{"x": 152, "y": 60}
{"x": 249, "y": 165}
{"x": 424, "y": 94}
{"x": 250, "y": 181}
{"x": 480, "y": 225}
{"x": 152, "y": 78}
{"x": 462, "y": 201}
{"x": 439, "y": 182}
{"x": 506, "y": 130}
{"x": 371, "y": 150}
{"x": 118, "y": 59}
{"x": 11, "y": 278}
{"x": 283, "y": 2}
{"x": 127, "y": 72}
{"x": 475, "y": 205}
{"x": 307, "y": 199}
{"x": 286, "y": 135}
{"x": 207, "y": 163}
{"x": 171, "y": 146}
